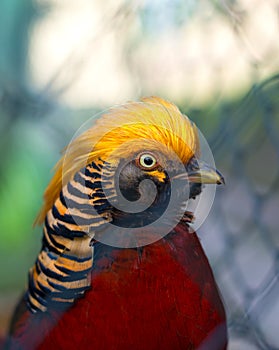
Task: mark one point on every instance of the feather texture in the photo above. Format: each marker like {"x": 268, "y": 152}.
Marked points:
{"x": 151, "y": 123}
{"x": 155, "y": 297}
{"x": 84, "y": 293}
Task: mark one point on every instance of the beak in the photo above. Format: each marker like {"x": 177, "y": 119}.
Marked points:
{"x": 205, "y": 174}
{"x": 200, "y": 172}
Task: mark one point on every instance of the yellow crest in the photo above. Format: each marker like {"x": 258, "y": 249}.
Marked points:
{"x": 148, "y": 123}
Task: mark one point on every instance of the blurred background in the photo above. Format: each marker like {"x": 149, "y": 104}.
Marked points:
{"x": 61, "y": 61}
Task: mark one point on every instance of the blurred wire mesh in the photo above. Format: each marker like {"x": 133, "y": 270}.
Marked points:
{"x": 63, "y": 61}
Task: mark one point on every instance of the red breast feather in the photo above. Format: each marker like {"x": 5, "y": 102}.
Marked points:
{"x": 161, "y": 296}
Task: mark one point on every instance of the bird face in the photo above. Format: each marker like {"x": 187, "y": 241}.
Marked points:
{"x": 145, "y": 181}
{"x": 145, "y": 165}
{"x": 161, "y": 170}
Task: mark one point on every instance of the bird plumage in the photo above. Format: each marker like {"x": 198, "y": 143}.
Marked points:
{"x": 151, "y": 123}
{"x": 84, "y": 292}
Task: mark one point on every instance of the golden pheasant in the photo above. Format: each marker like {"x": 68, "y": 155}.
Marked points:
{"x": 120, "y": 267}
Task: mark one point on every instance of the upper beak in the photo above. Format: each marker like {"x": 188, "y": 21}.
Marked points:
{"x": 205, "y": 174}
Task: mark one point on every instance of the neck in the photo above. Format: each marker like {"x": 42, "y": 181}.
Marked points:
{"x": 60, "y": 274}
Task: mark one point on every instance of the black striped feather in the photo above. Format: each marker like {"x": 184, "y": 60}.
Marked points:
{"x": 61, "y": 273}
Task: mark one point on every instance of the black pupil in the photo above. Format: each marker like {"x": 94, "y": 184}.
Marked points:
{"x": 148, "y": 161}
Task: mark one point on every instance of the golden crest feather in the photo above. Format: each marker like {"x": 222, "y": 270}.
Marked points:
{"x": 149, "y": 123}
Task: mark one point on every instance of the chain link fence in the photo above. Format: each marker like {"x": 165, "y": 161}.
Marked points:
{"x": 245, "y": 219}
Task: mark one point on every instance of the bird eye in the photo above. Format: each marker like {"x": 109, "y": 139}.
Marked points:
{"x": 147, "y": 161}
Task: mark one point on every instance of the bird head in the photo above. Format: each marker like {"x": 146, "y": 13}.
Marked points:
{"x": 142, "y": 147}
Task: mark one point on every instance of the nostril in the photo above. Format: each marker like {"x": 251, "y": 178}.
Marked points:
{"x": 192, "y": 165}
